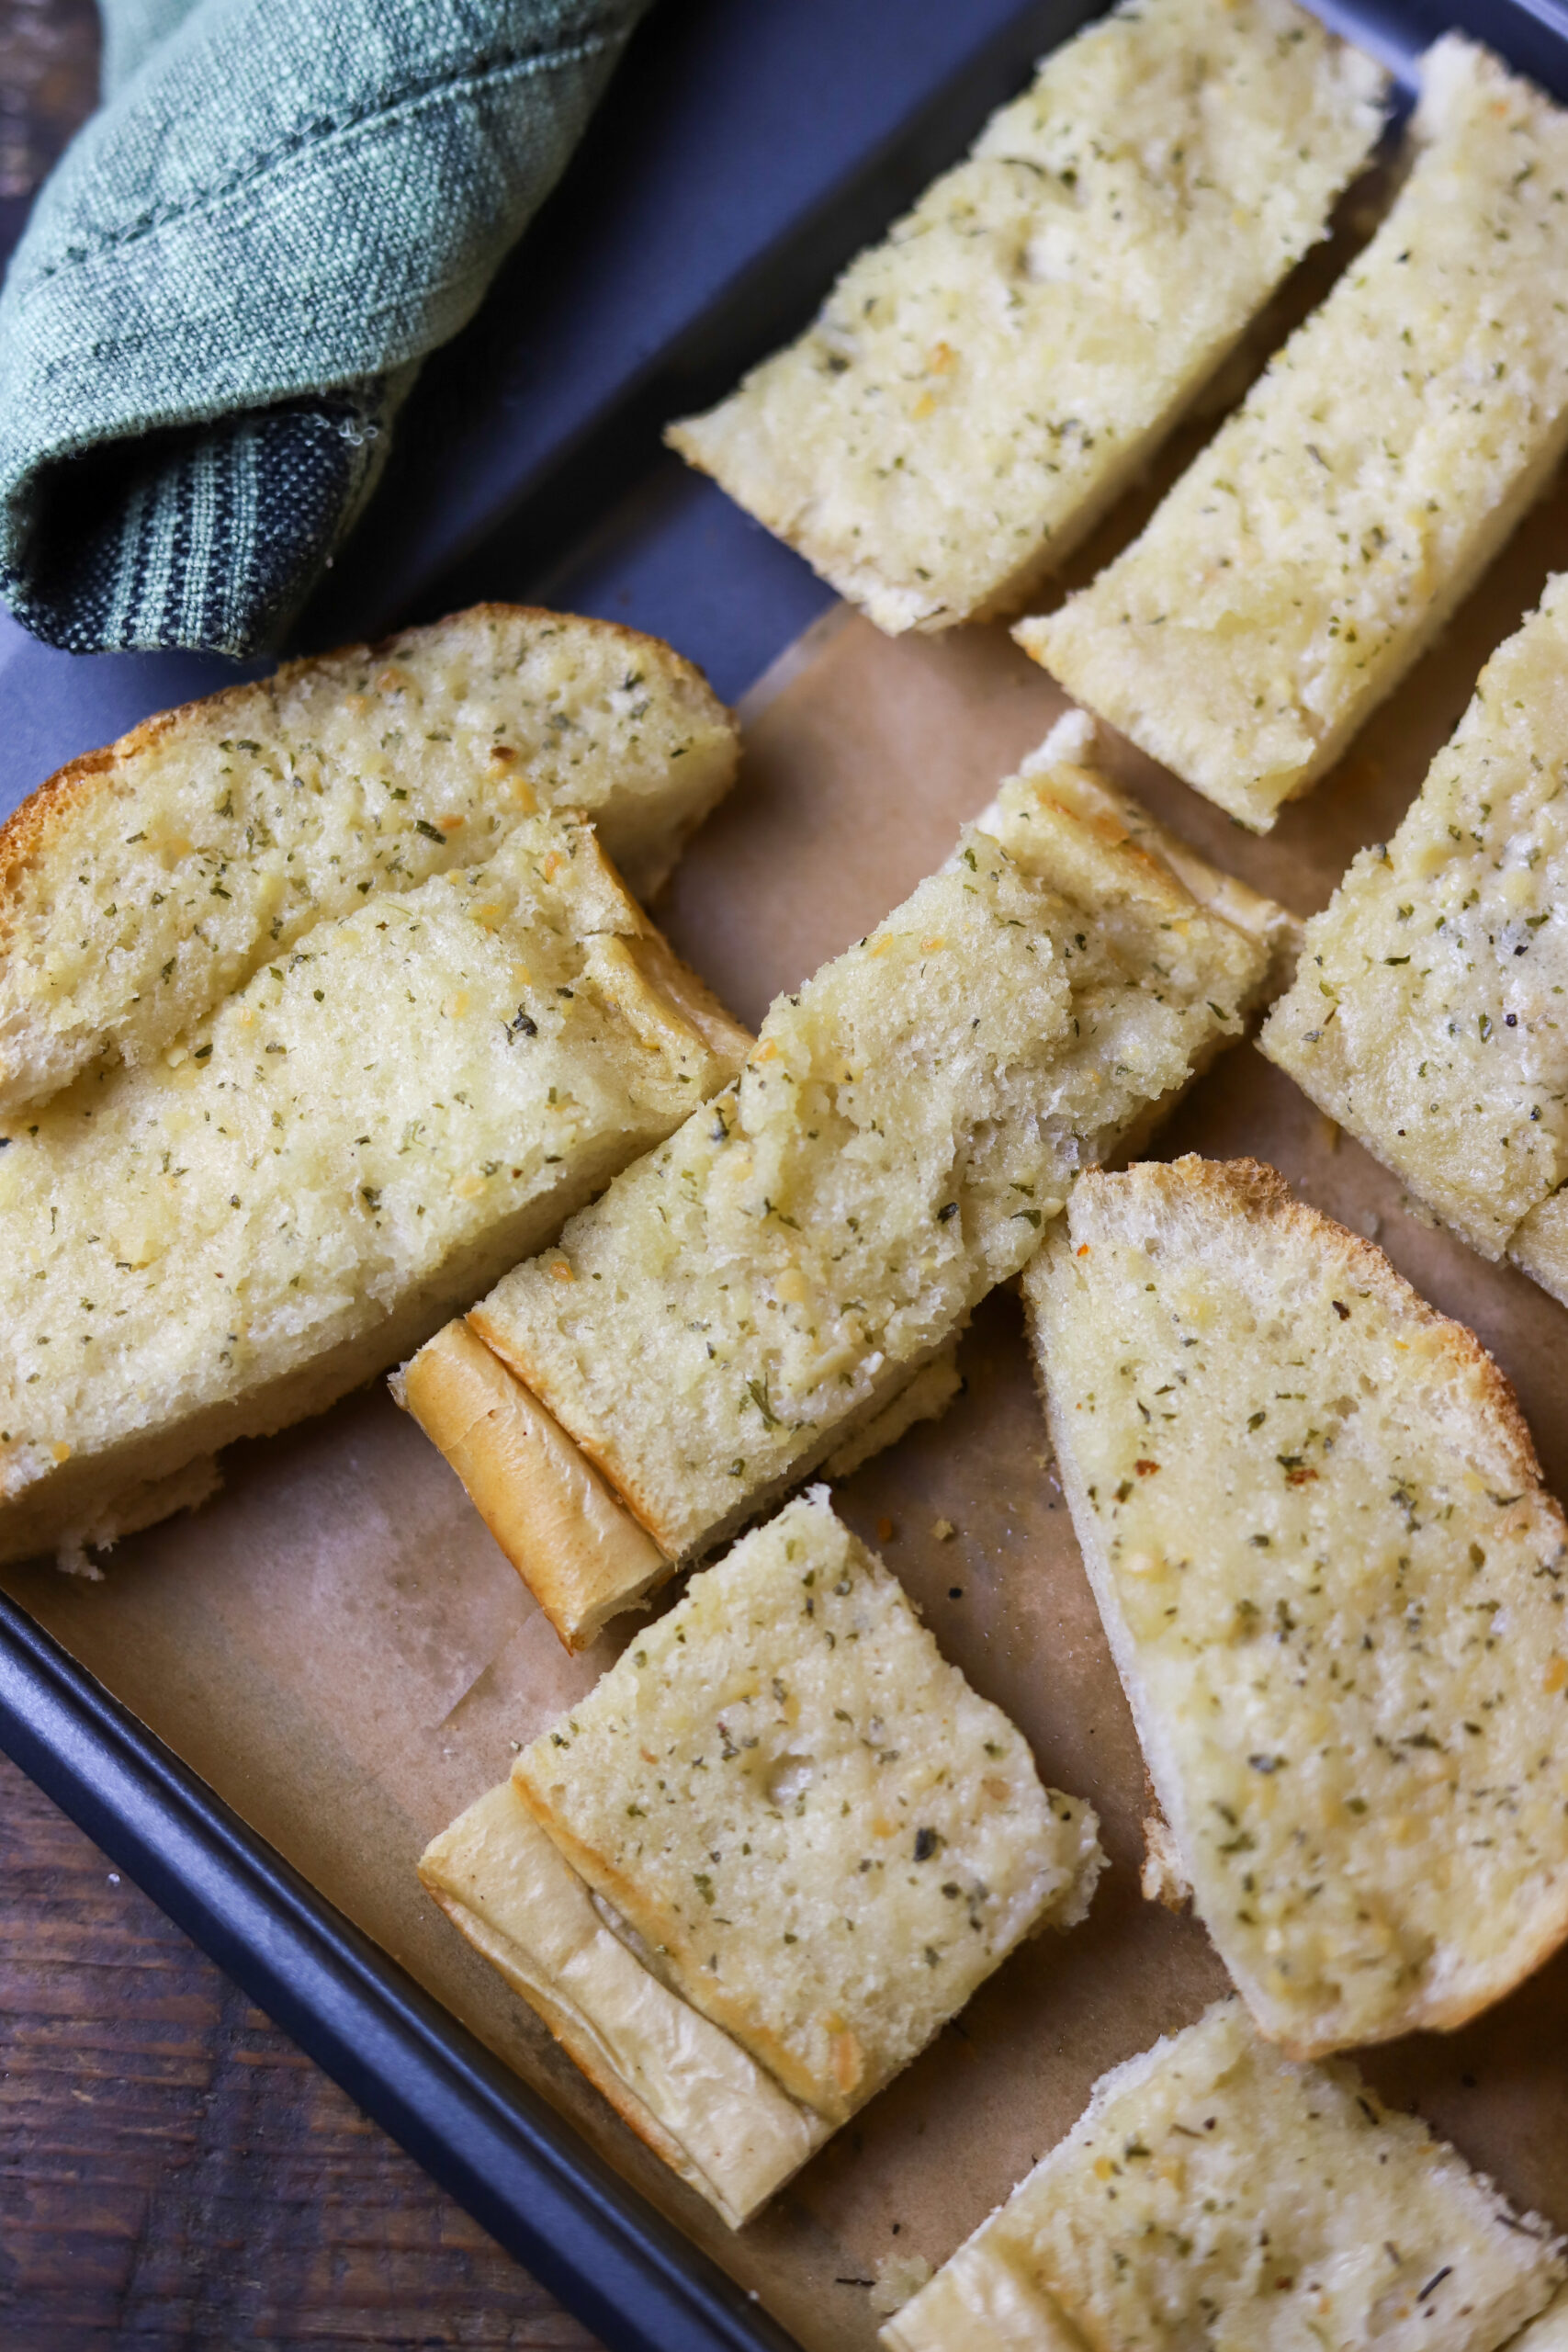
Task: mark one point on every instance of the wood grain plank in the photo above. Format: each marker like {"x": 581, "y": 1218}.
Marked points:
{"x": 175, "y": 2175}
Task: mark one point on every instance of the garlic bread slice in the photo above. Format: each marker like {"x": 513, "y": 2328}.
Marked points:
{"x": 147, "y": 882}
{"x": 749, "y": 1299}
{"x": 822, "y": 1837}
{"x": 1426, "y": 1011}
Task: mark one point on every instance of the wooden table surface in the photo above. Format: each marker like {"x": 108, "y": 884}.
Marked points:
{"x": 174, "y": 2174}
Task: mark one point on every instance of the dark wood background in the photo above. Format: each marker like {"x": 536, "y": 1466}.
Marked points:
{"x": 174, "y": 2174}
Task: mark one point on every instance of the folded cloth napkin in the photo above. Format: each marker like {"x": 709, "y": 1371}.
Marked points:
{"x": 229, "y": 282}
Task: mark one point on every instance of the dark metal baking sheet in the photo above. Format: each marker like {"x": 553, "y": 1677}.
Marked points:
{"x": 747, "y": 148}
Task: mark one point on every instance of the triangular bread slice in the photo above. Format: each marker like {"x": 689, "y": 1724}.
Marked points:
{"x": 981, "y": 386}
{"x": 1335, "y": 1587}
{"x": 1425, "y": 1015}
{"x": 746, "y": 1300}
{"x": 366, "y": 1135}
{"x": 1212, "y": 2193}
{"x": 1314, "y": 549}
{"x": 824, "y": 1836}
{"x": 145, "y": 883}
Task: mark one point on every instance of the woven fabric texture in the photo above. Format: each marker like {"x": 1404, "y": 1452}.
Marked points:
{"x": 229, "y": 282}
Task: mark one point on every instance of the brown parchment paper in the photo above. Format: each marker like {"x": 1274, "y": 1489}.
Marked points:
{"x": 337, "y": 1645}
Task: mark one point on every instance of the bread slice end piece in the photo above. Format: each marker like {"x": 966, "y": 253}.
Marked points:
{"x": 578, "y": 1551}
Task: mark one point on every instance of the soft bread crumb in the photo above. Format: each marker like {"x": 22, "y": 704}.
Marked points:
{"x": 824, "y": 1834}
{"x": 1162, "y": 1878}
{"x": 1213, "y": 2193}
{"x": 1318, "y": 543}
{"x": 1425, "y": 1017}
{"x": 1548, "y": 2332}
{"x": 1333, "y": 1584}
{"x": 926, "y": 1398}
{"x": 982, "y": 385}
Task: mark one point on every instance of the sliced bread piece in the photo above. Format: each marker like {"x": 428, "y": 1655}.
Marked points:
{"x": 1425, "y": 1015}
{"x": 688, "y": 2089}
{"x": 982, "y": 385}
{"x": 582, "y": 1555}
{"x": 1315, "y": 547}
{"x": 823, "y": 1839}
{"x": 231, "y": 1236}
{"x": 1335, "y": 1587}
{"x": 1214, "y": 2194}
{"x": 145, "y": 883}
{"x": 746, "y": 1300}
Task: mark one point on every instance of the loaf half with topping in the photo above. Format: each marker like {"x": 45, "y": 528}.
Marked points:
{"x": 354, "y": 1143}
{"x": 1427, "y": 1015}
{"x": 748, "y": 1298}
{"x": 806, "y": 1831}
{"x": 1319, "y": 543}
{"x": 1212, "y": 2193}
{"x": 145, "y": 883}
{"x": 980, "y": 388}
{"x": 1335, "y": 1591}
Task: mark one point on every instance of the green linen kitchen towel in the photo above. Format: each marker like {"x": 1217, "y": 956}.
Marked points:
{"x": 229, "y": 282}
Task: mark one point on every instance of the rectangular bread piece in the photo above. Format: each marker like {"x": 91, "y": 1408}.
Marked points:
{"x": 1318, "y": 543}
{"x": 145, "y": 883}
{"x": 235, "y": 1233}
{"x": 744, "y": 1301}
{"x": 980, "y": 387}
{"x": 823, "y": 1837}
{"x": 1212, "y": 2193}
{"x": 687, "y": 2088}
{"x": 1335, "y": 1587}
{"x": 1427, "y": 1016}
